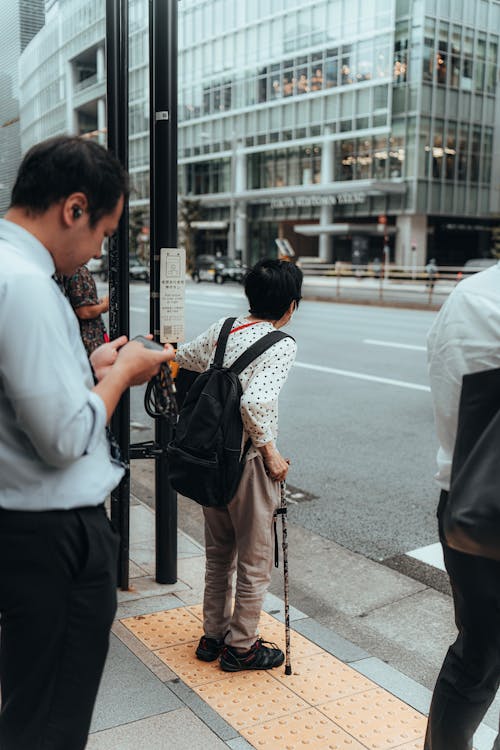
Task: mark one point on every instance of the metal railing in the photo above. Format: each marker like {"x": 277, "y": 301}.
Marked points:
{"x": 413, "y": 285}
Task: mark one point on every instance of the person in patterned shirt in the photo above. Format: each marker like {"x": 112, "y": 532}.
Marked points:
{"x": 239, "y": 537}
{"x": 81, "y": 291}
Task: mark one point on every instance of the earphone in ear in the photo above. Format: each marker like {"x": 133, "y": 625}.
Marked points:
{"x": 77, "y": 212}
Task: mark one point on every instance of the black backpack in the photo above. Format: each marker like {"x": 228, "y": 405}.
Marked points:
{"x": 205, "y": 459}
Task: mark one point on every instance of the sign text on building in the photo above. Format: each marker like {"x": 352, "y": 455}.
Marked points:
{"x": 339, "y": 199}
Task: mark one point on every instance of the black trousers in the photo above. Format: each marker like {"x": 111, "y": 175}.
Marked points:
{"x": 57, "y": 603}
{"x": 470, "y": 675}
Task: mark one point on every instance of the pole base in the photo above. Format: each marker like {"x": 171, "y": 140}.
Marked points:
{"x": 288, "y": 669}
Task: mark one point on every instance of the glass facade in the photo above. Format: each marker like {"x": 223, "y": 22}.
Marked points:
{"x": 291, "y": 113}
{"x": 21, "y": 20}
{"x": 394, "y": 100}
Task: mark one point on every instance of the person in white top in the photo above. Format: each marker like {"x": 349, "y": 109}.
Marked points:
{"x": 239, "y": 537}
{"x": 465, "y": 338}
{"x": 57, "y": 547}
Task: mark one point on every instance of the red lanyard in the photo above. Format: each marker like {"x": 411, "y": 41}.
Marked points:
{"x": 245, "y": 325}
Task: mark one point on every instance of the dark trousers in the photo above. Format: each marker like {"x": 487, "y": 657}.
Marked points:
{"x": 57, "y": 603}
{"x": 470, "y": 675}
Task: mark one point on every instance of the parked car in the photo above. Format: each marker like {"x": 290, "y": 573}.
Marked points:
{"x": 95, "y": 265}
{"x": 138, "y": 271}
{"x": 99, "y": 266}
{"x": 217, "y": 269}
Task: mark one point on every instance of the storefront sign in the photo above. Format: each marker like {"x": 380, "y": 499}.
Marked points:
{"x": 339, "y": 199}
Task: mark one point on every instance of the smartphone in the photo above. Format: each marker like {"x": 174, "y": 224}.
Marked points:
{"x": 148, "y": 343}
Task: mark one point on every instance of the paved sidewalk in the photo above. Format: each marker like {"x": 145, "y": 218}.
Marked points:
{"x": 155, "y": 694}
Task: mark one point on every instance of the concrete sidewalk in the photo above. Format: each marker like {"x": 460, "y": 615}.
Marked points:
{"x": 155, "y": 694}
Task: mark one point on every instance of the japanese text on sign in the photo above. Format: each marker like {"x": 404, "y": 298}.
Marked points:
{"x": 172, "y": 289}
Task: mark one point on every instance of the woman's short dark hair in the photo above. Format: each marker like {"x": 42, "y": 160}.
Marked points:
{"x": 271, "y": 286}
{"x": 56, "y": 168}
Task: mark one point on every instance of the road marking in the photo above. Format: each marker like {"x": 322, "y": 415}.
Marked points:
{"x": 138, "y": 309}
{"x": 196, "y": 292}
{"x": 432, "y": 555}
{"x": 203, "y": 303}
{"x": 362, "y": 376}
{"x": 375, "y": 342}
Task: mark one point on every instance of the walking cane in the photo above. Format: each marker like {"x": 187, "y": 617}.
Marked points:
{"x": 282, "y": 512}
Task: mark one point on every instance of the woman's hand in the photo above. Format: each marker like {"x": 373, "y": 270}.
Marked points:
{"x": 276, "y": 466}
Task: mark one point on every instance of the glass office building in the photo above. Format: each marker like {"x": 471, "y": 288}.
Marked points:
{"x": 338, "y": 125}
{"x": 342, "y": 124}
{"x": 63, "y": 81}
{"x": 21, "y": 20}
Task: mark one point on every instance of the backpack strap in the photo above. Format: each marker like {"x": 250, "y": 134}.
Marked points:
{"x": 222, "y": 341}
{"x": 258, "y": 348}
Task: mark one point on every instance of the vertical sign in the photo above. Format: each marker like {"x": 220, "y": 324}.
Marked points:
{"x": 172, "y": 289}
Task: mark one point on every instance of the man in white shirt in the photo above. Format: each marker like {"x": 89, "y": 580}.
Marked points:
{"x": 239, "y": 537}
{"x": 465, "y": 338}
{"x": 57, "y": 547}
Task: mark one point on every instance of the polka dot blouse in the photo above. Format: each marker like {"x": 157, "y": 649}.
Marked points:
{"x": 261, "y": 381}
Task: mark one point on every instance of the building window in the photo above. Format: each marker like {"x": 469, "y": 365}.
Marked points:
{"x": 396, "y": 155}
{"x": 463, "y": 153}
{"x": 442, "y": 57}
{"x": 491, "y": 68}
{"x": 428, "y": 58}
{"x": 380, "y": 157}
{"x": 400, "y": 70}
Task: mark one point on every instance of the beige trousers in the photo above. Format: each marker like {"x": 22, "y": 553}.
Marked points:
{"x": 240, "y": 538}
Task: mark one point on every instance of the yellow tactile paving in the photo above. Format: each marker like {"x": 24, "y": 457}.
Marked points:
{"x": 196, "y": 610}
{"x": 274, "y": 631}
{"x": 321, "y": 677}
{"x": 164, "y": 628}
{"x": 249, "y": 698}
{"x": 323, "y": 705}
{"x": 378, "y": 719}
{"x": 307, "y": 730}
{"x": 182, "y": 660}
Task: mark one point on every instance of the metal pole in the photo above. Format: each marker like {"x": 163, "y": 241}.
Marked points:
{"x": 117, "y": 123}
{"x": 163, "y": 192}
{"x": 231, "y": 237}
{"x": 283, "y": 512}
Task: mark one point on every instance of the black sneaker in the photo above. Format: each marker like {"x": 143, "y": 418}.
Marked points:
{"x": 209, "y": 649}
{"x": 258, "y": 656}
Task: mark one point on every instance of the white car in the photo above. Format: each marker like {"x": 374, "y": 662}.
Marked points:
{"x": 95, "y": 265}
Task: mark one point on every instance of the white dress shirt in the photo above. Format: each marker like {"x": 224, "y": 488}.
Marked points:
{"x": 53, "y": 448}
{"x": 261, "y": 381}
{"x": 464, "y": 338}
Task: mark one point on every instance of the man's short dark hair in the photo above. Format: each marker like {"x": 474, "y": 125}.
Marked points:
{"x": 271, "y": 286}
{"x": 54, "y": 169}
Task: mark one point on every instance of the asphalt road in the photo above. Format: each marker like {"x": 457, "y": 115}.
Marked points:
{"x": 355, "y": 418}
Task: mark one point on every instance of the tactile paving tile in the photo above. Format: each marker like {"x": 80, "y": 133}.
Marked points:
{"x": 377, "y": 719}
{"x": 321, "y": 677}
{"x": 165, "y": 628}
{"x": 274, "y": 631}
{"x": 249, "y": 698}
{"x": 182, "y": 660}
{"x": 305, "y": 730}
{"x": 196, "y": 610}
{"x": 274, "y": 711}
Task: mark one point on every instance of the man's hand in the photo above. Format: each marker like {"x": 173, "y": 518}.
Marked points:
{"x": 104, "y": 357}
{"x": 121, "y": 364}
{"x": 139, "y": 364}
{"x": 276, "y": 466}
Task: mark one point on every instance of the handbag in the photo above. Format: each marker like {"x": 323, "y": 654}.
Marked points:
{"x": 471, "y": 516}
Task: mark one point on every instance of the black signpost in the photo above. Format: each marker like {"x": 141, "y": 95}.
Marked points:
{"x": 163, "y": 233}
{"x": 117, "y": 122}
